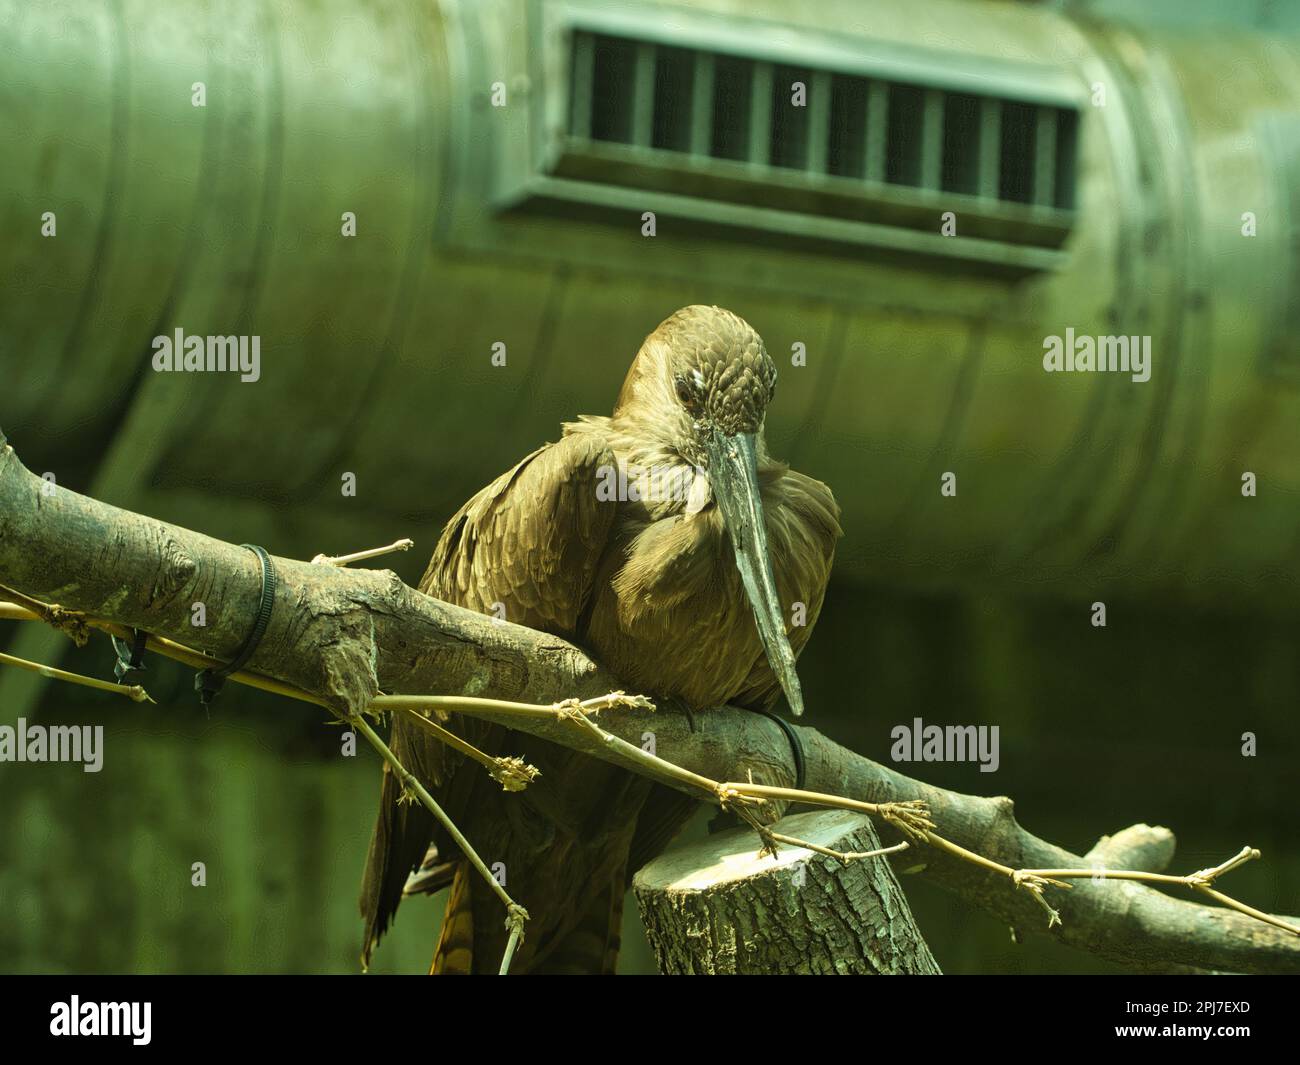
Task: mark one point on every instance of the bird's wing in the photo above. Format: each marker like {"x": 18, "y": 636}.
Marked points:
{"x": 526, "y": 547}
{"x": 530, "y": 541}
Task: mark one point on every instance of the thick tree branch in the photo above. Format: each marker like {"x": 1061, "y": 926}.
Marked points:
{"x": 342, "y": 635}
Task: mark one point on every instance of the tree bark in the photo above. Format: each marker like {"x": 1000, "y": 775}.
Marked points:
{"x": 343, "y": 635}
{"x": 718, "y": 907}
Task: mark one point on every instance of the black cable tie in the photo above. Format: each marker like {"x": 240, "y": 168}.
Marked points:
{"x": 130, "y": 659}
{"x": 796, "y": 746}
{"x": 209, "y": 682}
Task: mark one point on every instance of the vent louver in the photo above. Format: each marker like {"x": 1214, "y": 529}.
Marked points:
{"x": 696, "y": 103}
{"x": 865, "y": 161}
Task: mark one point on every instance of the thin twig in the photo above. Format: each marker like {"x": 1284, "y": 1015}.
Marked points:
{"x": 844, "y": 856}
{"x": 1202, "y": 880}
{"x": 517, "y": 915}
{"x": 513, "y": 774}
{"x": 134, "y": 692}
{"x": 472, "y": 704}
{"x": 770, "y": 839}
{"x": 515, "y": 922}
{"x": 358, "y": 556}
{"x": 72, "y": 623}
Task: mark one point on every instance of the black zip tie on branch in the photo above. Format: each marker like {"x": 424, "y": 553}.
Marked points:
{"x": 724, "y": 818}
{"x": 130, "y": 659}
{"x": 796, "y": 746}
{"x": 208, "y": 682}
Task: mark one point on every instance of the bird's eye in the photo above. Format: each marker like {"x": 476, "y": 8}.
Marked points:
{"x": 684, "y": 392}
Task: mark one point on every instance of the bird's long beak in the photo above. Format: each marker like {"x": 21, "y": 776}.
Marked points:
{"x": 733, "y": 471}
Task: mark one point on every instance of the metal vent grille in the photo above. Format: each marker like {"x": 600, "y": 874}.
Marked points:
{"x": 694, "y": 103}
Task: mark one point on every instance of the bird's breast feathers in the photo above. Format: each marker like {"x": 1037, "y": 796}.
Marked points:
{"x": 670, "y": 611}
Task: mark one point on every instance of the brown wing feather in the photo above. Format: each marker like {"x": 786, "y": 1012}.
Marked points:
{"x": 531, "y": 541}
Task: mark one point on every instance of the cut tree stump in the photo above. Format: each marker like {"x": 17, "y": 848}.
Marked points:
{"x": 715, "y": 907}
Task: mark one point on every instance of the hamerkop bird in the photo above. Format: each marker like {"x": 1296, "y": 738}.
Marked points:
{"x": 682, "y": 585}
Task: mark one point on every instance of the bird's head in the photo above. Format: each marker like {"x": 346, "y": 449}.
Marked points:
{"x": 704, "y": 372}
{"x": 721, "y": 374}
{"x": 701, "y": 384}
